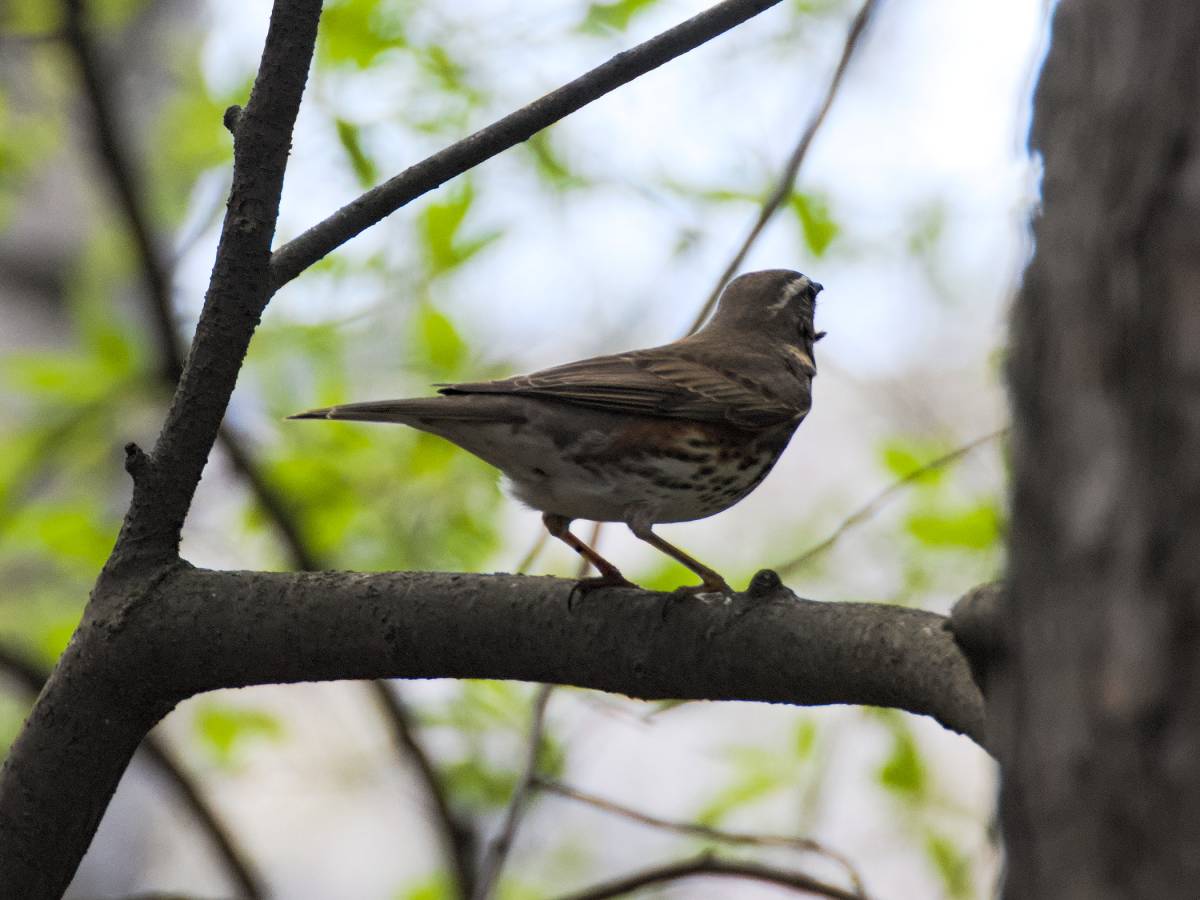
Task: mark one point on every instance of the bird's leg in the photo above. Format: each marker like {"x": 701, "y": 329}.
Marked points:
{"x": 610, "y": 575}
{"x": 713, "y": 583}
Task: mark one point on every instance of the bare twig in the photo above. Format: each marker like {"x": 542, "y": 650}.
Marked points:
{"x": 805, "y": 845}
{"x": 457, "y": 837}
{"x": 534, "y": 551}
{"x": 297, "y": 255}
{"x": 115, "y": 158}
{"x": 783, "y": 187}
{"x": 872, "y": 506}
{"x": 706, "y": 864}
{"x": 31, "y": 677}
{"x": 497, "y": 852}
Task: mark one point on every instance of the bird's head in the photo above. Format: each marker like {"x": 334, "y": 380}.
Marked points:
{"x": 777, "y": 304}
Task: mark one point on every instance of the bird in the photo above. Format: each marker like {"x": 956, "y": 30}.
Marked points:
{"x": 672, "y": 433}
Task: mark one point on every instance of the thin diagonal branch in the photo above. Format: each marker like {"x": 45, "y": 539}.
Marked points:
{"x": 876, "y": 503}
{"x": 787, "y": 179}
{"x": 805, "y": 845}
{"x": 497, "y": 852}
{"x": 297, "y": 255}
{"x": 456, "y": 836}
{"x": 111, "y": 151}
{"x": 30, "y": 676}
{"x": 706, "y": 864}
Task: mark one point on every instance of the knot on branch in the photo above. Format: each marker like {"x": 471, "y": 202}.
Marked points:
{"x": 233, "y": 115}
{"x": 764, "y": 584}
{"x": 977, "y": 626}
{"x": 137, "y": 463}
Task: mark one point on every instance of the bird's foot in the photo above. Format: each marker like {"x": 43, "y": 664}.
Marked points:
{"x": 585, "y": 586}
{"x": 716, "y": 585}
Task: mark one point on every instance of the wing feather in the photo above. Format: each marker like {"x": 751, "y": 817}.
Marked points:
{"x": 664, "y": 381}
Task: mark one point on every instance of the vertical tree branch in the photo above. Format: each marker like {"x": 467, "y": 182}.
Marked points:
{"x": 237, "y": 295}
{"x": 31, "y": 677}
{"x": 93, "y": 712}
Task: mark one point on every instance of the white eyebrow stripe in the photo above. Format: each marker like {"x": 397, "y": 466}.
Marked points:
{"x": 800, "y": 356}
{"x": 790, "y": 290}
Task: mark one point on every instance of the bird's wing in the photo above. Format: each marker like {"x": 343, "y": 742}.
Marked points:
{"x": 665, "y": 381}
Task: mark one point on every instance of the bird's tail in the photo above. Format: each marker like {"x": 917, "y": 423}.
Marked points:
{"x": 416, "y": 412}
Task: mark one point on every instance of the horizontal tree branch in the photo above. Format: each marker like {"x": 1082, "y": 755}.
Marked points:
{"x": 376, "y": 204}
{"x": 206, "y": 630}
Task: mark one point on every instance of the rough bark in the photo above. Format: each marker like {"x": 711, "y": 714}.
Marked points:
{"x": 1097, "y": 711}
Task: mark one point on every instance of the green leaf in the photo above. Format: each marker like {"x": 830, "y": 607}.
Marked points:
{"x": 439, "y": 226}
{"x": 549, "y": 163}
{"x": 223, "y": 729}
{"x": 72, "y": 532}
{"x": 364, "y": 167}
{"x": 903, "y": 773}
{"x": 975, "y": 528}
{"x": 747, "y": 789}
{"x": 475, "y": 784}
{"x": 358, "y": 31}
{"x": 901, "y": 457}
{"x": 952, "y": 864}
{"x": 448, "y": 74}
{"x": 551, "y": 758}
{"x": 816, "y": 223}
{"x": 30, "y": 17}
{"x": 441, "y": 345}
{"x": 805, "y": 738}
{"x": 436, "y": 887}
{"x": 602, "y": 18}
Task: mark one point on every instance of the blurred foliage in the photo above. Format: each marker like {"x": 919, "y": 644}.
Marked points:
{"x": 932, "y": 816}
{"x": 761, "y": 773}
{"x": 370, "y": 496}
{"x": 226, "y": 731}
{"x": 602, "y": 18}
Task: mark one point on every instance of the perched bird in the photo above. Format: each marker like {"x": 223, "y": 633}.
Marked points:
{"x": 669, "y": 434}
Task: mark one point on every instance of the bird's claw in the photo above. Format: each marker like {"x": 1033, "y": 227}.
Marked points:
{"x": 586, "y": 585}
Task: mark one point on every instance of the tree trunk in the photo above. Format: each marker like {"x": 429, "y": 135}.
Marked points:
{"x": 1097, "y": 708}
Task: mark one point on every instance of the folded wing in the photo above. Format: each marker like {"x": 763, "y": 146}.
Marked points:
{"x": 660, "y": 382}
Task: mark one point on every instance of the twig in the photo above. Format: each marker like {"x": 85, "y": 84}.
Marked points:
{"x": 456, "y": 836}
{"x": 534, "y": 551}
{"x": 872, "y": 506}
{"x": 806, "y": 845}
{"x": 31, "y": 676}
{"x": 497, "y": 852}
{"x": 294, "y": 257}
{"x": 115, "y": 159}
{"x": 273, "y": 504}
{"x": 783, "y": 188}
{"x": 706, "y": 864}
